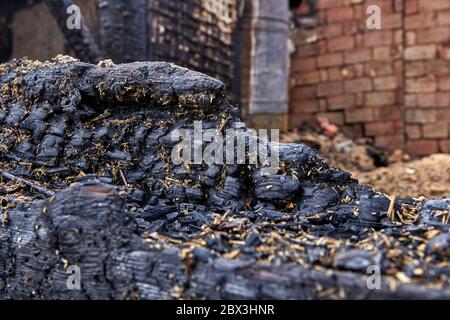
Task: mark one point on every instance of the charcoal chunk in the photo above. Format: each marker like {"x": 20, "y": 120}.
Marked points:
{"x": 357, "y": 260}
{"x": 152, "y": 213}
{"x": 276, "y": 187}
{"x": 16, "y": 112}
{"x": 439, "y": 246}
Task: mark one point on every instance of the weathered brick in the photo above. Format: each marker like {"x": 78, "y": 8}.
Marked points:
{"x": 398, "y": 5}
{"x": 443, "y": 114}
{"x": 376, "y": 99}
{"x": 359, "y": 115}
{"x": 444, "y": 18}
{"x": 330, "y": 30}
{"x": 304, "y": 64}
{"x": 382, "y": 53}
{"x": 420, "y": 116}
{"x": 341, "y": 102}
{"x": 420, "y": 52}
{"x": 417, "y": 21}
{"x": 398, "y": 37}
{"x": 388, "y": 113}
{"x": 334, "y": 74}
{"x": 358, "y": 55}
{"x": 434, "y": 5}
{"x": 358, "y": 85}
{"x": 386, "y": 6}
{"x": 413, "y": 131}
{"x": 444, "y": 145}
{"x": 422, "y": 147}
{"x": 323, "y": 46}
{"x": 416, "y": 68}
{"x": 399, "y": 70}
{"x": 303, "y": 93}
{"x": 411, "y": 6}
{"x": 438, "y": 67}
{"x": 333, "y": 117}
{"x": 341, "y": 43}
{"x": 380, "y": 128}
{"x": 353, "y": 28}
{"x": 438, "y": 99}
{"x": 359, "y": 40}
{"x": 411, "y": 38}
{"x": 379, "y": 69}
{"x": 308, "y": 50}
{"x": 297, "y": 120}
{"x": 359, "y": 11}
{"x": 378, "y": 38}
{"x": 304, "y": 106}
{"x": 424, "y": 85}
{"x": 348, "y": 72}
{"x": 385, "y": 83}
{"x": 390, "y": 142}
{"x": 339, "y": 14}
{"x": 359, "y": 99}
{"x": 328, "y": 60}
{"x": 433, "y": 35}
{"x": 438, "y": 129}
{"x": 359, "y": 70}
{"x": 410, "y": 100}
{"x": 444, "y": 51}
{"x": 391, "y": 21}
{"x": 324, "y": 4}
{"x": 358, "y": 74}
{"x": 329, "y": 89}
{"x": 323, "y": 104}
{"x": 310, "y": 77}
{"x": 444, "y": 83}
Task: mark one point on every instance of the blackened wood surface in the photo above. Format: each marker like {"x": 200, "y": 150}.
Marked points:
{"x": 124, "y": 30}
{"x": 191, "y": 231}
{"x": 88, "y": 226}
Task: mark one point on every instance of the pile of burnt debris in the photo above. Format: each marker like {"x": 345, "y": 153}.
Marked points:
{"x": 88, "y": 180}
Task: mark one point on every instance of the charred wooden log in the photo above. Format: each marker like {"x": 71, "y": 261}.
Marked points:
{"x": 88, "y": 226}
{"x": 213, "y": 230}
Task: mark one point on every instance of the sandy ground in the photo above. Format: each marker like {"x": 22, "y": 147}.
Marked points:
{"x": 428, "y": 177}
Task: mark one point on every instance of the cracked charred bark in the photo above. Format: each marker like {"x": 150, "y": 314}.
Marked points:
{"x": 88, "y": 225}
{"x": 190, "y": 231}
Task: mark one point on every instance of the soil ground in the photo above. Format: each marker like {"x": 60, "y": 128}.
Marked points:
{"x": 394, "y": 174}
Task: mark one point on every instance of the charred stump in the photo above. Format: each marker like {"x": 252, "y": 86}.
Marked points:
{"x": 140, "y": 225}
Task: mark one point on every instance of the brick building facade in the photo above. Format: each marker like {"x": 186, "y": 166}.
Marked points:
{"x": 391, "y": 85}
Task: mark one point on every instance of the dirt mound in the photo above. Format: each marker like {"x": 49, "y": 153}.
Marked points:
{"x": 428, "y": 177}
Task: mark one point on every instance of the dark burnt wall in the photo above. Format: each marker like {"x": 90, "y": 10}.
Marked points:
{"x": 197, "y": 34}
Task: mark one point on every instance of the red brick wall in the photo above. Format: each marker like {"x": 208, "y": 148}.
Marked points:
{"x": 427, "y": 72}
{"x": 391, "y": 85}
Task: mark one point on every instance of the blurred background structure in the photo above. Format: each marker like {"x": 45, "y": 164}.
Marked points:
{"x": 286, "y": 63}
